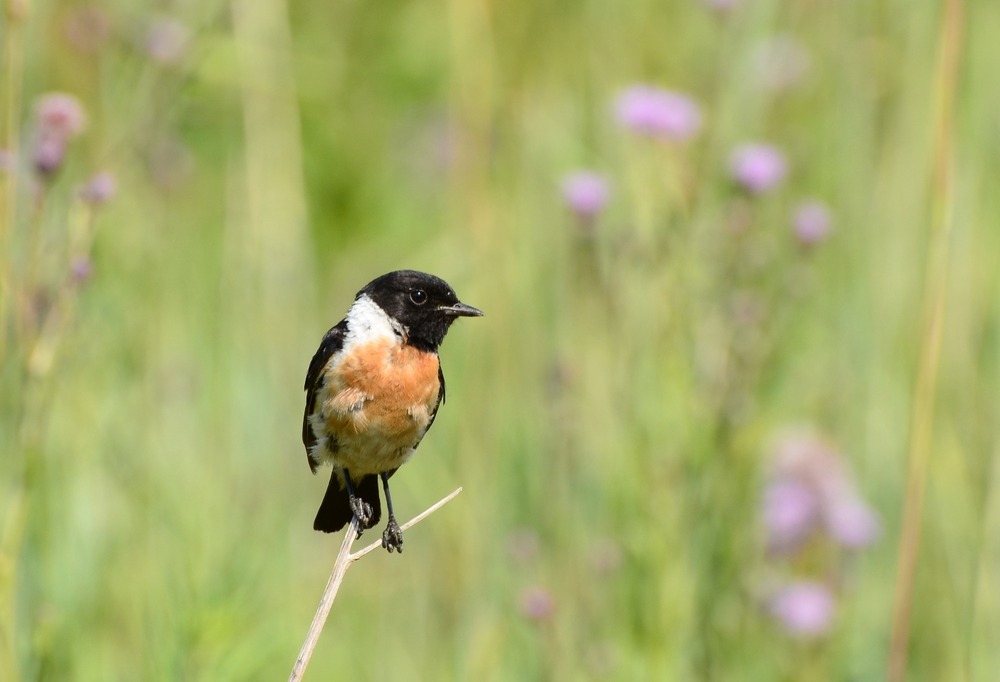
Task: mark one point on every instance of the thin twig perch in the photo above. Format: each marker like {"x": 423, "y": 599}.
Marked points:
{"x": 340, "y": 566}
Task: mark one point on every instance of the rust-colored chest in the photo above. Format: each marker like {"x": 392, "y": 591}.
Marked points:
{"x": 377, "y": 402}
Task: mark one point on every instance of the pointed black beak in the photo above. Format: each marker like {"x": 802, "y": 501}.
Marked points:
{"x": 461, "y": 310}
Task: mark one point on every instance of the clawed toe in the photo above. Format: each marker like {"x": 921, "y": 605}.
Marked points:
{"x": 392, "y": 537}
{"x": 363, "y": 511}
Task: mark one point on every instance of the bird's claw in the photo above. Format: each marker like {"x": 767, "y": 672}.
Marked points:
{"x": 392, "y": 537}
{"x": 363, "y": 512}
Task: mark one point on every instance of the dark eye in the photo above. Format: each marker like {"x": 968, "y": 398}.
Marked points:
{"x": 418, "y": 296}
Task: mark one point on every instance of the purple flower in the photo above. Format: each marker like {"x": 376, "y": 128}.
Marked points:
{"x": 49, "y": 153}
{"x": 812, "y": 222}
{"x": 791, "y": 512}
{"x": 80, "y": 269}
{"x": 758, "y": 167}
{"x": 167, "y": 41}
{"x": 87, "y": 29}
{"x": 585, "y": 192}
{"x": 537, "y": 603}
{"x": 722, "y": 5}
{"x": 804, "y": 608}
{"x": 59, "y": 118}
{"x": 99, "y": 190}
{"x": 658, "y": 113}
{"x": 852, "y": 523}
{"x": 60, "y": 114}
{"x": 809, "y": 482}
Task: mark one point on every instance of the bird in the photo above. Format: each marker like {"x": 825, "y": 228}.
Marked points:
{"x": 373, "y": 390}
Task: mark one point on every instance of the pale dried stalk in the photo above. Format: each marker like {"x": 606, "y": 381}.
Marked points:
{"x": 340, "y": 566}
{"x": 935, "y": 294}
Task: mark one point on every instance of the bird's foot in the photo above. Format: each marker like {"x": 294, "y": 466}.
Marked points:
{"x": 363, "y": 512}
{"x": 392, "y": 536}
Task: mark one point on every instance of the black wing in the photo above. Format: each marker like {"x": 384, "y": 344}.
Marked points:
{"x": 434, "y": 412}
{"x": 332, "y": 342}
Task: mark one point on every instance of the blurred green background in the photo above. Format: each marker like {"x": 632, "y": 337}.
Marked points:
{"x": 613, "y": 417}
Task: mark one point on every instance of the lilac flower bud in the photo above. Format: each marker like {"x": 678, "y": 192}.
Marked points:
{"x": 658, "y": 113}
{"x": 537, "y": 603}
{"x": 585, "y": 192}
{"x": 80, "y": 269}
{"x": 87, "y": 29}
{"x": 722, "y": 5}
{"x": 810, "y": 483}
{"x": 804, "y": 608}
{"x": 811, "y": 222}
{"x": 59, "y": 114}
{"x": 852, "y": 523}
{"x": 758, "y": 167}
{"x": 791, "y": 512}
{"x": 59, "y": 118}
{"x": 167, "y": 41}
{"x": 99, "y": 190}
{"x": 49, "y": 153}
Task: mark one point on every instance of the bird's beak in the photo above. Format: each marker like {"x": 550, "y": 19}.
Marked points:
{"x": 461, "y": 310}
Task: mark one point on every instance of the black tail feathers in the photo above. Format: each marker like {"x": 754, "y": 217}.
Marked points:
{"x": 335, "y": 511}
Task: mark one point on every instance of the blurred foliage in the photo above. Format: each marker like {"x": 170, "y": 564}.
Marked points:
{"x": 611, "y": 419}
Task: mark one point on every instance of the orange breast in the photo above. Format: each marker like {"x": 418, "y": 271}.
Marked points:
{"x": 384, "y": 387}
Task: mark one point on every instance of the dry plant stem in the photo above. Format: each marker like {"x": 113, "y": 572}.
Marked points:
{"x": 922, "y": 417}
{"x": 340, "y": 566}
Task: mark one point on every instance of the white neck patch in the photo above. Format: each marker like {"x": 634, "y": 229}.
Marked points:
{"x": 366, "y": 321}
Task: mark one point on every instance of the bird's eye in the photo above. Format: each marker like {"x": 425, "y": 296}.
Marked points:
{"x": 418, "y": 296}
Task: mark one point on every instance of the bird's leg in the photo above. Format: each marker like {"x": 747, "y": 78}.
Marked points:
{"x": 362, "y": 510}
{"x": 392, "y": 537}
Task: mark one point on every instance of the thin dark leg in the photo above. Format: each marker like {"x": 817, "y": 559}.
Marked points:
{"x": 392, "y": 537}
{"x": 362, "y": 510}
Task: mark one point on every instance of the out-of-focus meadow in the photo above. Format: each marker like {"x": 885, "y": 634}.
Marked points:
{"x": 739, "y": 261}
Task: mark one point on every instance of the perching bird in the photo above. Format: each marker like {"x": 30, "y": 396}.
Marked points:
{"x": 372, "y": 392}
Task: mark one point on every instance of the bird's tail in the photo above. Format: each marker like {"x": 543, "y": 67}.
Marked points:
{"x": 335, "y": 511}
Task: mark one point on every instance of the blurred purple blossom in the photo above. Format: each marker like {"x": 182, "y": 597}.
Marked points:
{"x": 100, "y": 189}
{"x": 758, "y": 167}
{"x": 59, "y": 118}
{"x": 658, "y": 113}
{"x": 60, "y": 114}
{"x": 722, "y": 5}
{"x": 852, "y": 522}
{"x": 791, "y": 512}
{"x": 809, "y": 486}
{"x": 81, "y": 269}
{"x": 537, "y": 603}
{"x": 585, "y": 192}
{"x": 812, "y": 222}
{"x": 167, "y": 41}
{"x": 87, "y": 29}
{"x": 804, "y": 608}
{"x": 49, "y": 153}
